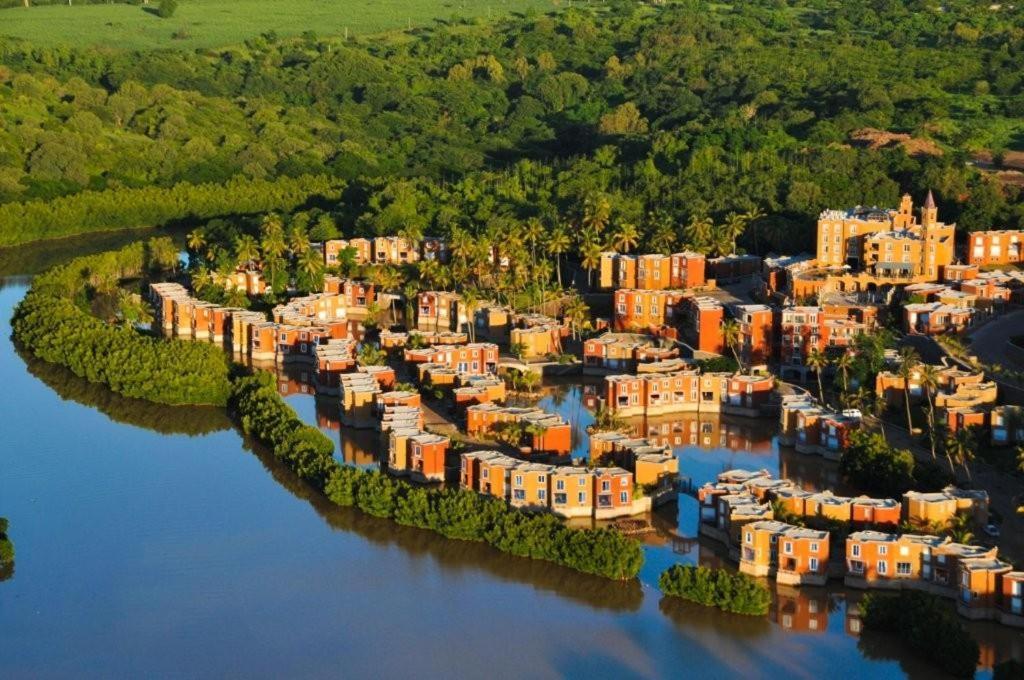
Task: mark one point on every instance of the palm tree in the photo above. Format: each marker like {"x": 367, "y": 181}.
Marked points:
{"x": 960, "y": 449}
{"x": 471, "y": 299}
{"x": 818, "y": 361}
{"x": 272, "y": 242}
{"x": 596, "y": 211}
{"x": 196, "y": 239}
{"x": 558, "y": 244}
{"x": 929, "y": 382}
{"x": 533, "y": 232}
{"x": 590, "y": 258}
{"x": 663, "y": 238}
{"x": 843, "y": 362}
{"x": 698, "y": 233}
{"x": 132, "y": 309}
{"x": 960, "y": 529}
{"x": 731, "y": 335}
{"x": 908, "y": 362}
{"x": 577, "y": 311}
{"x": 298, "y": 241}
{"x": 247, "y": 251}
{"x": 310, "y": 268}
{"x": 626, "y": 236}
{"x": 735, "y": 225}
{"x": 410, "y": 291}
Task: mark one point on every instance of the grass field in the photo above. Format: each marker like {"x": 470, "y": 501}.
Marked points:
{"x": 216, "y": 23}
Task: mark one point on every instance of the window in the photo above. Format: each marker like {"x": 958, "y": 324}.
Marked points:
{"x": 624, "y": 497}
{"x": 856, "y": 566}
{"x": 814, "y": 547}
{"x": 855, "y": 550}
{"x": 623, "y": 481}
{"x": 519, "y": 480}
{"x": 882, "y": 567}
{"x": 485, "y": 474}
{"x": 883, "y": 549}
{"x": 749, "y": 537}
{"x": 813, "y": 564}
{"x": 787, "y": 547}
{"x": 542, "y": 478}
{"x": 542, "y": 495}
{"x": 903, "y": 568}
{"x": 560, "y": 499}
{"x": 606, "y": 485}
{"x": 519, "y": 495}
{"x": 583, "y": 480}
{"x": 583, "y": 497}
{"x": 560, "y": 485}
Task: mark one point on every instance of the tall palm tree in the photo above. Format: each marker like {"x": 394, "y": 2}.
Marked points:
{"x": 909, "y": 360}
{"x": 247, "y": 251}
{"x": 818, "y": 361}
{"x": 471, "y": 299}
{"x": 960, "y": 449}
{"x": 734, "y": 226}
{"x": 590, "y": 258}
{"x": 577, "y": 311}
{"x": 626, "y": 236}
{"x": 597, "y": 210}
{"x": 558, "y": 243}
{"x": 960, "y": 529}
{"x": 842, "y": 363}
{"x": 310, "y": 268}
{"x": 533, "y": 232}
{"x": 731, "y": 335}
{"x": 929, "y": 383}
{"x": 298, "y": 241}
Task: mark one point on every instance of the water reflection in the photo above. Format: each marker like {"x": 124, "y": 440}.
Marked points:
{"x": 458, "y": 555}
{"x": 190, "y": 420}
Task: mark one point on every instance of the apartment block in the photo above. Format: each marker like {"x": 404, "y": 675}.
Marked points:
{"x": 440, "y": 311}
{"x": 688, "y": 390}
{"x": 702, "y": 322}
{"x": 1002, "y": 246}
{"x": 651, "y": 271}
{"x": 732, "y": 268}
{"x": 655, "y": 311}
{"x": 622, "y": 352}
{"x": 793, "y": 555}
{"x": 939, "y": 507}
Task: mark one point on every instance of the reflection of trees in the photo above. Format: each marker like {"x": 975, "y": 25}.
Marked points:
{"x": 886, "y": 647}
{"x": 690, "y": 616}
{"x": 452, "y": 555}
{"x": 6, "y": 571}
{"x": 190, "y": 420}
{"x": 38, "y": 257}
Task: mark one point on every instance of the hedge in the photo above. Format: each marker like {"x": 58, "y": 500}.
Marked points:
{"x": 49, "y": 324}
{"x": 927, "y": 625}
{"x": 453, "y": 513}
{"x": 731, "y": 592}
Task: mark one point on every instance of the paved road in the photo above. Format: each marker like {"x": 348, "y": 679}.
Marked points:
{"x": 989, "y": 341}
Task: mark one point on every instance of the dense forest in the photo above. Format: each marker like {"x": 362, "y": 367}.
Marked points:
{"x": 669, "y": 113}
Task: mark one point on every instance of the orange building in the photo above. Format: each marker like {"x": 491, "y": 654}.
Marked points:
{"x": 572, "y": 490}
{"x": 687, "y": 390}
{"x": 731, "y": 268}
{"x": 546, "y": 433}
{"x": 886, "y": 246}
{"x": 655, "y": 311}
{"x": 427, "y": 456}
{"x": 531, "y": 486}
{"x": 651, "y": 271}
{"x": 996, "y": 247}
{"x": 703, "y": 319}
{"x": 613, "y": 492}
{"x": 440, "y": 311}
{"x": 757, "y": 333}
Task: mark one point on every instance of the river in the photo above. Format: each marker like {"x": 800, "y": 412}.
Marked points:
{"x": 156, "y": 541}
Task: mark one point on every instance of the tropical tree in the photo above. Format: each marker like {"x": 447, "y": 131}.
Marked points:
{"x": 929, "y": 383}
{"x": 818, "y": 361}
{"x": 731, "y": 335}
{"x": 577, "y": 312}
{"x": 247, "y": 251}
{"x": 959, "y": 449}
{"x": 625, "y": 236}
{"x": 734, "y": 226}
{"x": 909, "y": 360}
{"x": 558, "y": 244}
{"x": 597, "y": 210}
{"x": 371, "y": 355}
{"x": 298, "y": 241}
{"x": 310, "y": 271}
{"x": 132, "y": 310}
{"x": 842, "y": 363}
{"x": 698, "y": 233}
{"x": 959, "y": 528}
{"x": 590, "y": 258}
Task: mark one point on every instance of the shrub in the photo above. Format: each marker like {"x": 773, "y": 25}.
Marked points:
{"x": 453, "y": 513}
{"x": 167, "y": 8}
{"x": 50, "y": 324}
{"x": 731, "y": 592}
{"x": 6, "y": 546}
{"x": 927, "y": 625}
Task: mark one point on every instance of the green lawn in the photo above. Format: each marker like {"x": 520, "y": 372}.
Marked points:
{"x": 215, "y": 23}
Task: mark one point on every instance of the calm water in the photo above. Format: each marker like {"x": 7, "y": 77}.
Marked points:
{"x": 155, "y": 541}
